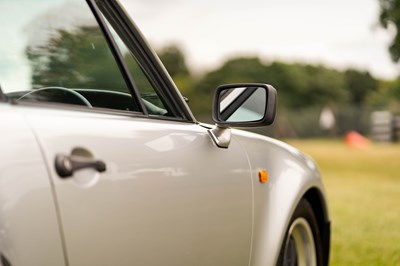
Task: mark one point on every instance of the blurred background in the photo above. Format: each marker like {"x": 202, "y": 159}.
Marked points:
{"x": 335, "y": 67}
{"x": 320, "y": 56}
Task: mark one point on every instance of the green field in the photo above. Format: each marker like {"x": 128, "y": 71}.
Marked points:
{"x": 363, "y": 187}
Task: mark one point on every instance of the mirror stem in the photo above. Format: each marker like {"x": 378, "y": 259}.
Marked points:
{"x": 221, "y": 136}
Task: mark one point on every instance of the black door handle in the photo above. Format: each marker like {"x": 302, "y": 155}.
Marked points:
{"x": 67, "y": 165}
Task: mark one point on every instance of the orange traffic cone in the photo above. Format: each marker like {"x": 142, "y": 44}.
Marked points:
{"x": 355, "y": 140}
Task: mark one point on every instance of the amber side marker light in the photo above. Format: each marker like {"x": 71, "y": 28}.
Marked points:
{"x": 263, "y": 176}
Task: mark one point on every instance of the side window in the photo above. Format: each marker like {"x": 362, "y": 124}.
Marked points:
{"x": 151, "y": 97}
{"x": 56, "y": 52}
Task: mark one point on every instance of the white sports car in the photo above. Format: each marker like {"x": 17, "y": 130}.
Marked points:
{"x": 102, "y": 162}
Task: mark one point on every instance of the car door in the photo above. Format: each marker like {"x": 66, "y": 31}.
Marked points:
{"x": 169, "y": 196}
{"x": 150, "y": 187}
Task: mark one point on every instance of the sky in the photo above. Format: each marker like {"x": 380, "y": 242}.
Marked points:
{"x": 340, "y": 34}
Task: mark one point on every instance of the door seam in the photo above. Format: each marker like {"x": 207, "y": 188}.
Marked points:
{"x": 53, "y": 191}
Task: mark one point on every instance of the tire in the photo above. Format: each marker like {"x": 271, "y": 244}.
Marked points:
{"x": 302, "y": 244}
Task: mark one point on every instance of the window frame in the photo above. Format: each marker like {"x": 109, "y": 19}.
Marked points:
{"x": 146, "y": 57}
{"x": 130, "y": 83}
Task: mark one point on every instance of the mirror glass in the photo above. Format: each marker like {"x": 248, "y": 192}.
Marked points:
{"x": 242, "y": 104}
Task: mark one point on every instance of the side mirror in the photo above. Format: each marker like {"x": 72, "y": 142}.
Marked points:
{"x": 244, "y": 105}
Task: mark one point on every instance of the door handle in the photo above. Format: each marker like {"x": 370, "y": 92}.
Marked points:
{"x": 66, "y": 165}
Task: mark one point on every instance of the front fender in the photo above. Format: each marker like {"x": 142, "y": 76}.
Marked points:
{"x": 290, "y": 175}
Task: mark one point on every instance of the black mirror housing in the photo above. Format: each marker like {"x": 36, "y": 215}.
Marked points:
{"x": 244, "y": 105}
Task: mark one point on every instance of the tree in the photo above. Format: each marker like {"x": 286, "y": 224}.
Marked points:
{"x": 302, "y": 85}
{"x": 390, "y": 16}
{"x": 359, "y": 85}
{"x": 298, "y": 85}
{"x": 174, "y": 61}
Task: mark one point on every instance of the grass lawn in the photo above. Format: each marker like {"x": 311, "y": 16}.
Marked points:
{"x": 363, "y": 187}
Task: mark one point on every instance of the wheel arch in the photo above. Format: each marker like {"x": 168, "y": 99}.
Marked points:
{"x": 318, "y": 204}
